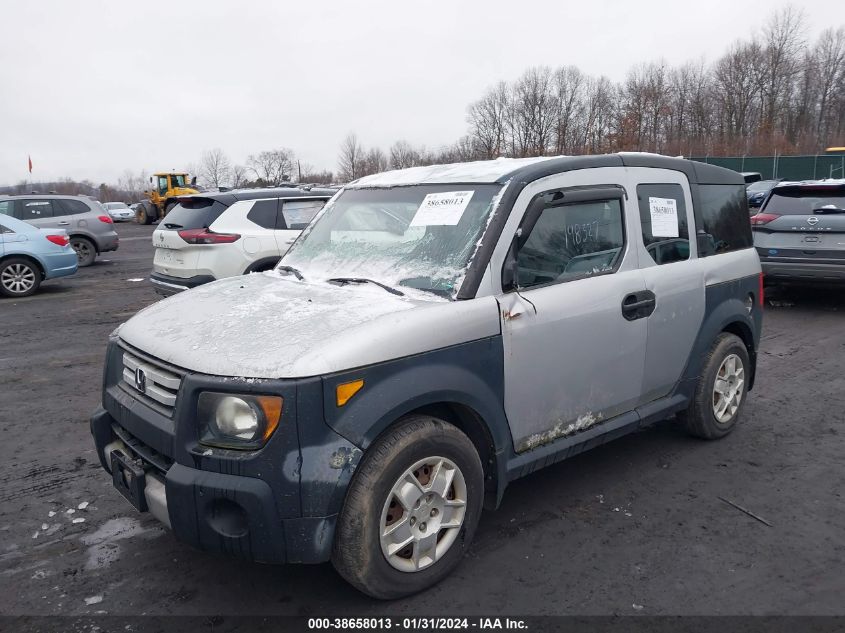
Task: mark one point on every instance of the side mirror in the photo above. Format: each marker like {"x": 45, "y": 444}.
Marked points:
{"x": 510, "y": 270}
{"x": 193, "y": 181}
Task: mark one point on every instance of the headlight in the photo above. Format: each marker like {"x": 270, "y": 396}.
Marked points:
{"x": 237, "y": 421}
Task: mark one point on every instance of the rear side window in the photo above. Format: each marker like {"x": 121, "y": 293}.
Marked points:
{"x": 263, "y": 213}
{"x": 72, "y": 207}
{"x": 663, "y": 217}
{"x": 36, "y": 209}
{"x": 4, "y": 228}
{"x": 805, "y": 200}
{"x": 572, "y": 241}
{"x": 194, "y": 213}
{"x": 7, "y": 207}
{"x": 725, "y": 223}
{"x": 297, "y": 214}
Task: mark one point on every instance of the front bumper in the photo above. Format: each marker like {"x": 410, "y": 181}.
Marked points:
{"x": 219, "y": 512}
{"x": 168, "y": 285}
{"x": 808, "y": 272}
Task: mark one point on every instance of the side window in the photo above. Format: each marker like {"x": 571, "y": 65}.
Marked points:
{"x": 263, "y": 213}
{"x": 663, "y": 216}
{"x": 725, "y": 224}
{"x": 162, "y": 185}
{"x": 7, "y": 207}
{"x": 571, "y": 241}
{"x": 36, "y": 209}
{"x": 72, "y": 207}
{"x": 4, "y": 228}
{"x": 297, "y": 214}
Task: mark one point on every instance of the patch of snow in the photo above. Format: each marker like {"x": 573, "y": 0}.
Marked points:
{"x": 103, "y": 547}
{"x": 70, "y": 511}
{"x": 207, "y": 452}
{"x": 51, "y": 514}
{"x": 79, "y": 520}
{"x": 136, "y": 279}
{"x": 94, "y": 600}
{"x": 476, "y": 171}
{"x": 44, "y": 526}
{"x": 83, "y": 505}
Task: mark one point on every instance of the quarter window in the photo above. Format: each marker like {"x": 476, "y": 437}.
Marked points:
{"x": 7, "y": 207}
{"x": 724, "y": 224}
{"x": 663, "y": 216}
{"x": 263, "y": 213}
{"x": 571, "y": 241}
{"x": 74, "y": 207}
{"x": 298, "y": 214}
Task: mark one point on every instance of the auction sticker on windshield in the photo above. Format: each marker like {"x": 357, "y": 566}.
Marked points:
{"x": 439, "y": 209}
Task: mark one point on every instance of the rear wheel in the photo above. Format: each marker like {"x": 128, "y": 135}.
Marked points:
{"x": 86, "y": 252}
{"x": 411, "y": 509}
{"x": 720, "y": 393}
{"x": 19, "y": 277}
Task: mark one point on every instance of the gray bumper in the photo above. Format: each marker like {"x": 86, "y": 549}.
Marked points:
{"x": 801, "y": 271}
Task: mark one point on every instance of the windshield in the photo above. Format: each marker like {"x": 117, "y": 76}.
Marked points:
{"x": 177, "y": 180}
{"x": 804, "y": 200}
{"x": 420, "y": 236}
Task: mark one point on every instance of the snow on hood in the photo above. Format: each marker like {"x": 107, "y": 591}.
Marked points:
{"x": 273, "y": 326}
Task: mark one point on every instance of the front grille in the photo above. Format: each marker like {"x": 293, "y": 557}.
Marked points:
{"x": 150, "y": 381}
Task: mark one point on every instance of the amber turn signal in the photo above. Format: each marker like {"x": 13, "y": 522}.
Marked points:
{"x": 271, "y": 406}
{"x": 346, "y": 390}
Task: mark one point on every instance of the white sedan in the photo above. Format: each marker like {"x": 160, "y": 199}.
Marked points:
{"x": 118, "y": 211}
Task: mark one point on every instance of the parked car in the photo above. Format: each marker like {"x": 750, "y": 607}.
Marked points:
{"x": 223, "y": 234}
{"x": 757, "y": 192}
{"x": 29, "y": 256}
{"x": 426, "y": 341}
{"x": 799, "y": 232}
{"x": 751, "y": 176}
{"x": 91, "y": 230}
{"x": 119, "y": 211}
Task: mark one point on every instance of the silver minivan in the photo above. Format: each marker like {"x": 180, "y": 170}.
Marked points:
{"x": 434, "y": 334}
{"x": 89, "y": 226}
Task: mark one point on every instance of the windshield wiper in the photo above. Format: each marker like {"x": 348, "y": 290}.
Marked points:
{"x": 292, "y": 270}
{"x": 828, "y": 210}
{"x": 364, "y": 280}
{"x": 171, "y": 225}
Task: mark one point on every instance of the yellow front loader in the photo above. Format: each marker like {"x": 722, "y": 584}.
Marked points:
{"x": 161, "y": 197}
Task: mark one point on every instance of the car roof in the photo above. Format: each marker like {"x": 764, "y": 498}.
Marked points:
{"x": 502, "y": 170}
{"x": 49, "y": 196}
{"x": 230, "y": 197}
{"x": 811, "y": 184}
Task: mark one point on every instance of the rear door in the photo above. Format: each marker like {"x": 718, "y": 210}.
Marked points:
{"x": 294, "y": 215}
{"x": 39, "y": 212}
{"x": 802, "y": 224}
{"x": 173, "y": 255}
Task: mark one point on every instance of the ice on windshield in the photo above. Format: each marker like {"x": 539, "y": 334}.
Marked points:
{"x": 420, "y": 236}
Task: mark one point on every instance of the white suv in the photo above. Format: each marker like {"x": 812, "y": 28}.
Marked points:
{"x": 212, "y": 236}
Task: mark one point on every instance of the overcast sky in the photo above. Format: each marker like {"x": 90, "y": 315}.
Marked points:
{"x": 90, "y": 89}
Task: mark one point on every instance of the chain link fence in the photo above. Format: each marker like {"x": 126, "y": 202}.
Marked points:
{"x": 812, "y": 167}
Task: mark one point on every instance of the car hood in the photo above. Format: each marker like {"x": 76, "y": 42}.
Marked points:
{"x": 268, "y": 325}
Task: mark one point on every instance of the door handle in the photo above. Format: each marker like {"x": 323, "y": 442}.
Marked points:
{"x": 64, "y": 223}
{"x": 638, "y": 305}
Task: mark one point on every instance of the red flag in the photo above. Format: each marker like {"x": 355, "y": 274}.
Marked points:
{"x": 30, "y": 163}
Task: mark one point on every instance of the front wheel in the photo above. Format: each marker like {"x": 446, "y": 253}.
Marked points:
{"x": 720, "y": 393}
{"x": 411, "y": 509}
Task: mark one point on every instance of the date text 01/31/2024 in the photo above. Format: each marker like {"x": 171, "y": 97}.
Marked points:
{"x": 415, "y": 623}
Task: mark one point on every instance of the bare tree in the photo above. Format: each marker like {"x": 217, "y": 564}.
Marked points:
{"x": 215, "y": 170}
{"x": 272, "y": 167}
{"x": 238, "y": 176}
{"x": 351, "y": 160}
{"x": 403, "y": 154}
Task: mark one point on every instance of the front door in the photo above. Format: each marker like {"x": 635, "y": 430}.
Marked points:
{"x": 574, "y": 327}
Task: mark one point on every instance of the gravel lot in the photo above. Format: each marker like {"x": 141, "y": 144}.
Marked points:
{"x": 636, "y": 526}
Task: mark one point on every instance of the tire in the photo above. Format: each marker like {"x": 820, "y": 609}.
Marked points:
{"x": 141, "y": 216}
{"x": 371, "y": 504}
{"x": 702, "y": 418}
{"x": 86, "y": 252}
{"x": 19, "y": 277}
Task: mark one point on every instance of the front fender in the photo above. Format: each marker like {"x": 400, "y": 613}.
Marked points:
{"x": 470, "y": 374}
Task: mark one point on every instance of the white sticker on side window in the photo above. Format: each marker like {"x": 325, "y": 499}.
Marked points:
{"x": 439, "y": 209}
{"x": 664, "y": 217}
